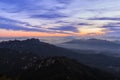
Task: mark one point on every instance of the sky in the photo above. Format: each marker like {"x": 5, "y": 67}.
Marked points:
{"x": 59, "y": 18}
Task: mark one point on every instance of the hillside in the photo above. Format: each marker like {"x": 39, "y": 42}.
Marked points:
{"x": 26, "y": 66}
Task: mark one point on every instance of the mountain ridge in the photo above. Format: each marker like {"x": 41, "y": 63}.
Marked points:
{"x": 92, "y": 44}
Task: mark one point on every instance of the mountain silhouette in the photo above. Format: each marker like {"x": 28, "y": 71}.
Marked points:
{"x": 92, "y": 44}
{"x": 35, "y": 46}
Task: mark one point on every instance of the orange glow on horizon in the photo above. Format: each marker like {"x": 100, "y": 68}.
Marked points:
{"x": 82, "y": 32}
{"x": 11, "y": 33}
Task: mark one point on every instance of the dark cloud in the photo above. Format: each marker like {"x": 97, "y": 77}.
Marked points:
{"x": 82, "y": 24}
{"x": 10, "y": 24}
{"x": 109, "y": 25}
{"x": 49, "y": 16}
{"x": 17, "y": 28}
{"x": 62, "y": 22}
{"x": 64, "y": 1}
{"x": 9, "y": 20}
{"x": 13, "y": 22}
{"x": 112, "y": 27}
{"x": 65, "y": 28}
{"x": 117, "y": 23}
{"x": 105, "y": 18}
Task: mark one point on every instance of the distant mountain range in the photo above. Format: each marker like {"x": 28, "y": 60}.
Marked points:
{"x": 117, "y": 41}
{"x": 92, "y": 44}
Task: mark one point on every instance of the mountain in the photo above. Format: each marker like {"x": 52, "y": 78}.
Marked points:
{"x": 117, "y": 41}
{"x": 44, "y": 50}
{"x": 37, "y": 47}
{"x": 15, "y": 65}
{"x": 92, "y": 44}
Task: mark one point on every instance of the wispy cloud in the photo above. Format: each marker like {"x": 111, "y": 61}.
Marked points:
{"x": 84, "y": 24}
{"x": 106, "y": 18}
{"x": 65, "y": 28}
{"x": 64, "y": 1}
{"x": 16, "y": 27}
{"x": 112, "y": 27}
{"x": 49, "y": 16}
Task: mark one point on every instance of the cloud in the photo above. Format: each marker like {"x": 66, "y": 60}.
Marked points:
{"x": 14, "y": 6}
{"x": 83, "y": 24}
{"x": 7, "y": 20}
{"x": 41, "y": 15}
{"x": 49, "y": 16}
{"x": 112, "y": 24}
{"x": 62, "y": 21}
{"x": 65, "y": 28}
{"x": 105, "y": 18}
{"x": 113, "y": 29}
{"x": 17, "y": 28}
{"x": 64, "y": 1}
{"x": 18, "y": 2}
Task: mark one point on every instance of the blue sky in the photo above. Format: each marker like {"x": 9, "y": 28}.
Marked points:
{"x": 70, "y": 17}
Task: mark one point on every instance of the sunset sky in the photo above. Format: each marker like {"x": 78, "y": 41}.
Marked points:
{"x": 59, "y": 18}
